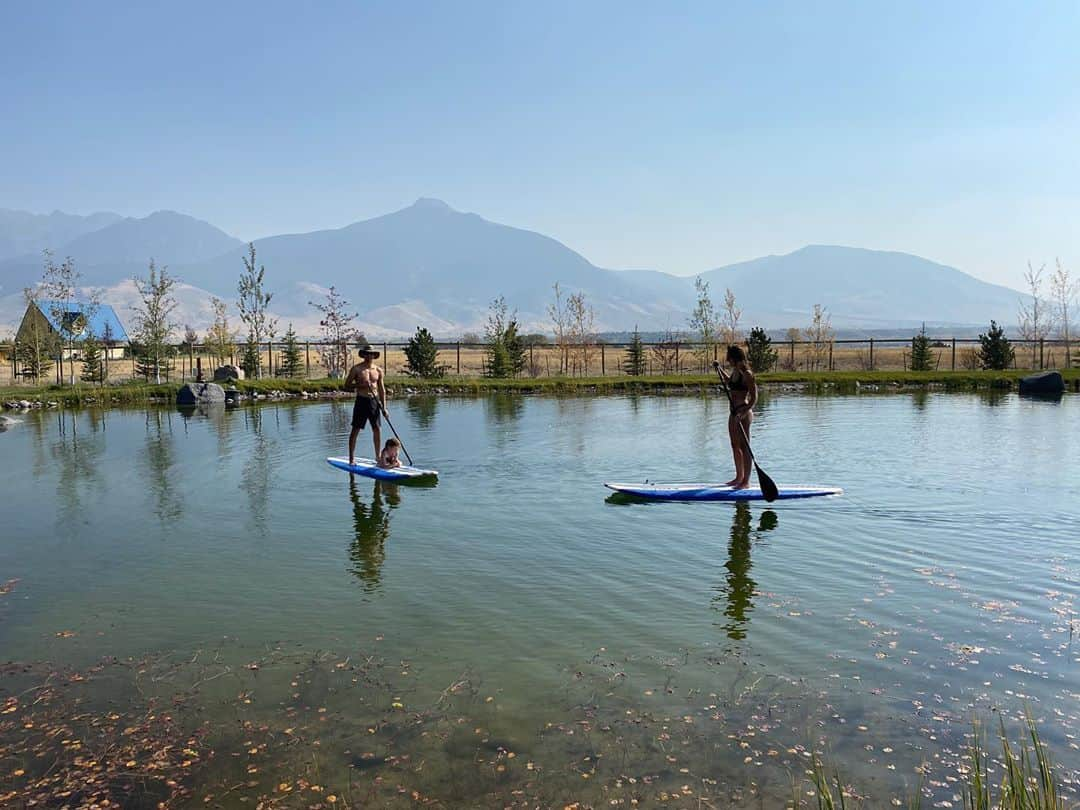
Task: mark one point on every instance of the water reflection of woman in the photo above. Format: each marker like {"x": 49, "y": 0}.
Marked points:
{"x": 371, "y": 528}
{"x": 738, "y": 588}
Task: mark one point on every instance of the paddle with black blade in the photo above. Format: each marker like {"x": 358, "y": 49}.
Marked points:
{"x": 386, "y": 416}
{"x": 768, "y": 487}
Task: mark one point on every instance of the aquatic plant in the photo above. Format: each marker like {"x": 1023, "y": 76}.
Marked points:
{"x": 1028, "y": 782}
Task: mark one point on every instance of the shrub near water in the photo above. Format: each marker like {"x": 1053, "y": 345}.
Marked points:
{"x": 422, "y": 356}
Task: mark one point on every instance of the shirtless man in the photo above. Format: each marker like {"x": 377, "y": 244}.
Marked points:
{"x": 366, "y": 379}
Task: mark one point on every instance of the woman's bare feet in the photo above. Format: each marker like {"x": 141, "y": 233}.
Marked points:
{"x": 732, "y": 483}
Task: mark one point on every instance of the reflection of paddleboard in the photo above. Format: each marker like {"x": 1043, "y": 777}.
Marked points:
{"x": 365, "y": 466}
{"x": 716, "y": 492}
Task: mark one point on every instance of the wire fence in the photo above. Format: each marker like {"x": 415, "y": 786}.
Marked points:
{"x": 186, "y": 362}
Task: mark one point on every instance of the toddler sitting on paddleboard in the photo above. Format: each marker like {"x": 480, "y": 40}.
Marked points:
{"x": 388, "y": 458}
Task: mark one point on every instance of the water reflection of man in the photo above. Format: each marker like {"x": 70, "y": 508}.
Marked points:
{"x": 738, "y": 588}
{"x": 371, "y": 528}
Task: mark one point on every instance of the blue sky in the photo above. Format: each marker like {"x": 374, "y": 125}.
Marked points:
{"x": 674, "y": 137}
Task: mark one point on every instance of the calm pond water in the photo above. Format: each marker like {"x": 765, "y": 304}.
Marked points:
{"x": 513, "y": 636}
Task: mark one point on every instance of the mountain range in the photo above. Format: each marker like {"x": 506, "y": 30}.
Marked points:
{"x": 433, "y": 266}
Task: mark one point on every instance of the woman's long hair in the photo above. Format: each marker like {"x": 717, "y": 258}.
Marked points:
{"x": 735, "y": 354}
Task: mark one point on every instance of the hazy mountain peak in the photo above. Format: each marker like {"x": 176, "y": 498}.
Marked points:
{"x": 431, "y": 265}
{"x": 25, "y": 234}
{"x": 431, "y": 204}
{"x": 167, "y": 236}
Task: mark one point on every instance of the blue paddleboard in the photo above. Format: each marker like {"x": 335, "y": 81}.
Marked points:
{"x": 367, "y": 467}
{"x": 716, "y": 492}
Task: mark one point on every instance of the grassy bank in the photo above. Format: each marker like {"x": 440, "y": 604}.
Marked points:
{"x": 822, "y": 381}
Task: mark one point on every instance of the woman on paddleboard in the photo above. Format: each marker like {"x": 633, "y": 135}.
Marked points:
{"x": 743, "y": 389}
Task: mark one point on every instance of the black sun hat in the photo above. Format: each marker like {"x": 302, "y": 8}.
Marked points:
{"x": 366, "y": 350}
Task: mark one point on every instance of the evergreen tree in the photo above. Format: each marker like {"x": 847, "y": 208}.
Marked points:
{"x": 250, "y": 359}
{"x": 93, "y": 370}
{"x": 635, "y": 363}
{"x": 422, "y": 354}
{"x": 292, "y": 362}
{"x": 995, "y": 351}
{"x": 38, "y": 343}
{"x": 34, "y": 362}
{"x": 505, "y": 349}
{"x": 516, "y": 350}
{"x": 759, "y": 350}
{"x": 922, "y": 358}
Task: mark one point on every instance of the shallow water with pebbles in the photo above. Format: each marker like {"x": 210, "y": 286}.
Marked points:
{"x": 513, "y": 636}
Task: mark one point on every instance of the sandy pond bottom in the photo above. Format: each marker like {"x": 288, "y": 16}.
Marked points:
{"x": 198, "y": 610}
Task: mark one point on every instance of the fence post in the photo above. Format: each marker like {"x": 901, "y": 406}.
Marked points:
{"x": 830, "y": 356}
{"x": 307, "y": 358}
{"x": 676, "y": 357}
{"x": 603, "y": 362}
{"x": 871, "y": 354}
{"x": 1041, "y": 340}
{"x": 954, "y": 354}
{"x": 792, "y": 355}
{"x": 459, "y": 358}
{"x": 386, "y": 358}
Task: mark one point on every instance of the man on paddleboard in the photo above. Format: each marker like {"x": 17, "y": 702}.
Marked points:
{"x": 366, "y": 379}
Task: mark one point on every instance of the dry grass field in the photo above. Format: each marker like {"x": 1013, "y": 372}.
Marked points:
{"x": 606, "y": 360}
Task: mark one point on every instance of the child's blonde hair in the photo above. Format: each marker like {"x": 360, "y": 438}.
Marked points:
{"x": 393, "y": 443}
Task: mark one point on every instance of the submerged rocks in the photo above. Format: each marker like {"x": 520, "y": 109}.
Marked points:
{"x": 193, "y": 394}
{"x": 1048, "y": 382}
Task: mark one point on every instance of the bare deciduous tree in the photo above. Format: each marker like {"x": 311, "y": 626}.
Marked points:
{"x": 819, "y": 334}
{"x": 581, "y": 318}
{"x": 59, "y": 286}
{"x": 220, "y": 339}
{"x": 1063, "y": 290}
{"x": 153, "y": 324}
{"x": 704, "y": 322}
{"x": 794, "y": 336}
{"x": 254, "y": 303}
{"x": 665, "y": 352}
{"x": 730, "y": 319}
{"x": 1034, "y": 315}
{"x": 338, "y": 331}
{"x": 557, "y": 311}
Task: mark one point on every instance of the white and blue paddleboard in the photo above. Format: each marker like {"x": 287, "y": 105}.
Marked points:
{"x": 367, "y": 467}
{"x": 716, "y": 492}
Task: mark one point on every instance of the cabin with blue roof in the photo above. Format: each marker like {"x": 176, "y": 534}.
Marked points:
{"x": 102, "y": 323}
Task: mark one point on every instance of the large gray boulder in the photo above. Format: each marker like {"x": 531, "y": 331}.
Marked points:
{"x": 1049, "y": 382}
{"x": 194, "y": 394}
{"x": 226, "y": 373}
